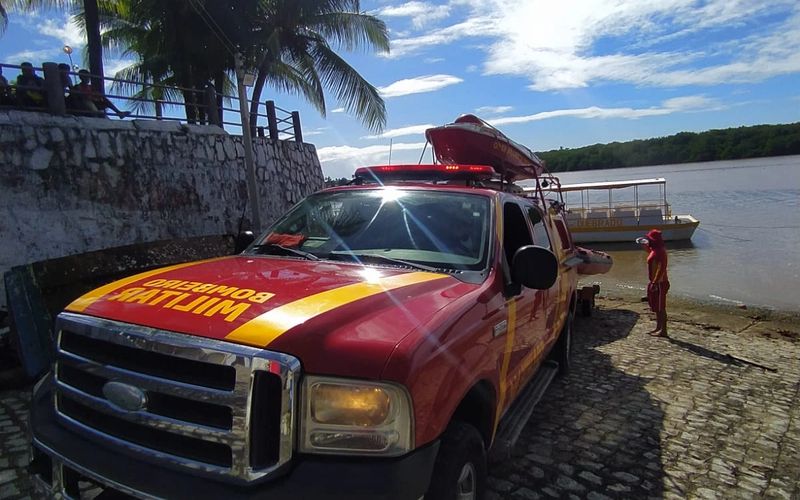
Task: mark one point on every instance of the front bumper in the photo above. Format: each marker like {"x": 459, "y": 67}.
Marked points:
{"x": 61, "y": 458}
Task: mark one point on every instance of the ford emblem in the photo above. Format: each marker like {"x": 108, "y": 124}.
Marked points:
{"x": 124, "y": 396}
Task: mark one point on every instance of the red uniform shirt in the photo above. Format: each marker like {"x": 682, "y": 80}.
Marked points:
{"x": 657, "y": 266}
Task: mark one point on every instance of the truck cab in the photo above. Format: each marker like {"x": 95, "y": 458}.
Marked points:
{"x": 372, "y": 343}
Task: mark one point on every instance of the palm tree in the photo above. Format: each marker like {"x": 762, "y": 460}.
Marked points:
{"x": 190, "y": 42}
{"x": 93, "y": 44}
{"x": 173, "y": 49}
{"x": 297, "y": 34}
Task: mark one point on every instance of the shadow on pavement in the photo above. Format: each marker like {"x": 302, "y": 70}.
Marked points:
{"x": 597, "y": 429}
{"x": 705, "y": 352}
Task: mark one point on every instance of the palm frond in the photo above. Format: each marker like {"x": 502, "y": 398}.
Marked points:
{"x": 353, "y": 31}
{"x": 294, "y": 80}
{"x": 351, "y": 89}
{"x": 34, "y": 5}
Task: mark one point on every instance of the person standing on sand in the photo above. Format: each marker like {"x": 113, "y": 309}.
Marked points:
{"x": 658, "y": 286}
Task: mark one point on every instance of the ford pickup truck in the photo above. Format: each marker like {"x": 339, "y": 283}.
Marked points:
{"x": 380, "y": 340}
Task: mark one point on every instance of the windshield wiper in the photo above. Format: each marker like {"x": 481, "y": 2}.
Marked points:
{"x": 384, "y": 258}
{"x": 285, "y": 250}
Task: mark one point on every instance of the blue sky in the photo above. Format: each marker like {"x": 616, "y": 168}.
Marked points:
{"x": 548, "y": 73}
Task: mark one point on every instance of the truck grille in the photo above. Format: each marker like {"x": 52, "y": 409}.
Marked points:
{"x": 206, "y": 405}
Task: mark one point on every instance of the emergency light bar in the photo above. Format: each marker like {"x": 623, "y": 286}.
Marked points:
{"x": 425, "y": 172}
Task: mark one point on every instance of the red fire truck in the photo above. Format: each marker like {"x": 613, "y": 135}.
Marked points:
{"x": 383, "y": 339}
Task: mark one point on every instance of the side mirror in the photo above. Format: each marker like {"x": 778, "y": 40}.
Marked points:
{"x": 243, "y": 241}
{"x": 535, "y": 267}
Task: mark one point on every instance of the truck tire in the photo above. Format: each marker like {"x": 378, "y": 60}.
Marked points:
{"x": 460, "y": 469}
{"x": 562, "y": 351}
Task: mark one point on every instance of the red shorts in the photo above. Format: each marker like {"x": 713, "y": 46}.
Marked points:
{"x": 657, "y": 296}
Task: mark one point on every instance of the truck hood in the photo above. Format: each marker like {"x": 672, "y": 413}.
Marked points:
{"x": 335, "y": 317}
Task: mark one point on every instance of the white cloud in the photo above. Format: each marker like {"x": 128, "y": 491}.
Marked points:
{"x": 35, "y": 57}
{"x": 432, "y": 60}
{"x": 400, "y": 132}
{"x": 338, "y": 110}
{"x": 341, "y": 161}
{"x": 418, "y": 85}
{"x": 65, "y": 30}
{"x": 670, "y": 106}
{"x": 472, "y": 27}
{"x": 316, "y": 131}
{"x": 338, "y": 153}
{"x": 563, "y": 45}
{"x": 493, "y": 110}
{"x": 111, "y": 67}
{"x": 691, "y": 102}
{"x": 421, "y": 13}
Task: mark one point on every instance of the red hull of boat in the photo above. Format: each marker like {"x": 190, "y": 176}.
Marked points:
{"x": 470, "y": 140}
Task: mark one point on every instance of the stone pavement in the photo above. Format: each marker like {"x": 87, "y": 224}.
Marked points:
{"x": 645, "y": 417}
{"x": 693, "y": 416}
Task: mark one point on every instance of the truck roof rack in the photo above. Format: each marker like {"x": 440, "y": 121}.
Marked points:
{"x": 482, "y": 176}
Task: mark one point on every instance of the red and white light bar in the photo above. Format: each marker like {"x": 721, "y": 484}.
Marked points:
{"x": 426, "y": 172}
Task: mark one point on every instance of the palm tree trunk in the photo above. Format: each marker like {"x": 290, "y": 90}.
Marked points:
{"x": 94, "y": 44}
{"x": 258, "y": 87}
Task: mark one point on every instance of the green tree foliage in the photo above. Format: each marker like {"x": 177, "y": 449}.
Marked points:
{"x": 684, "y": 147}
{"x": 341, "y": 181}
{"x": 297, "y": 39}
{"x": 289, "y": 44}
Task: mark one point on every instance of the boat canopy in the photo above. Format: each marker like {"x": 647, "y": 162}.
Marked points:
{"x": 612, "y": 184}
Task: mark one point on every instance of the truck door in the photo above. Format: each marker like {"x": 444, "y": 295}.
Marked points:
{"x": 526, "y": 311}
{"x": 548, "y": 299}
{"x": 567, "y": 278}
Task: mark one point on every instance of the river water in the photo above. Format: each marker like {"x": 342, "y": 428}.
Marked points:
{"x": 747, "y": 247}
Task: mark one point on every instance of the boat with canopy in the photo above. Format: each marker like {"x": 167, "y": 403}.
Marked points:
{"x": 621, "y": 210}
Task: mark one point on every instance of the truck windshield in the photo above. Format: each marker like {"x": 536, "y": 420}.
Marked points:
{"x": 387, "y": 226}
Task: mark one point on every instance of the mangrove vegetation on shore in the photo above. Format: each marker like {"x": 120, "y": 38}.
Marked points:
{"x": 685, "y": 147}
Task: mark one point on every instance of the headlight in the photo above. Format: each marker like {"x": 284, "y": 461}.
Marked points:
{"x": 355, "y": 417}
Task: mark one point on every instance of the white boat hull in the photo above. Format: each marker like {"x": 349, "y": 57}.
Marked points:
{"x": 609, "y": 230}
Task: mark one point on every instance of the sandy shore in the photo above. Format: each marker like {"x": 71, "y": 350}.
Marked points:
{"x": 706, "y": 316}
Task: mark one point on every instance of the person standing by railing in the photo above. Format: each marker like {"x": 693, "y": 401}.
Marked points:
{"x": 30, "y": 87}
{"x": 6, "y": 98}
{"x": 77, "y": 102}
{"x": 97, "y": 99}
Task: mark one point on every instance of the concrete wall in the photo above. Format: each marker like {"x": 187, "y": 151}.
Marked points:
{"x": 70, "y": 185}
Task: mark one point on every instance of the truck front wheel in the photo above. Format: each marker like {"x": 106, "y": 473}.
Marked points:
{"x": 460, "y": 469}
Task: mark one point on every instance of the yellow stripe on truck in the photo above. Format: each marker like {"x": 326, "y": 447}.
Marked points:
{"x": 512, "y": 330}
{"x": 262, "y": 330}
{"x": 83, "y": 302}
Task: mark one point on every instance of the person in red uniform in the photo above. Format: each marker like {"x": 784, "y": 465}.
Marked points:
{"x": 658, "y": 286}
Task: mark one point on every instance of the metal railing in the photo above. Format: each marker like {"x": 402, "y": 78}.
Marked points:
{"x": 57, "y": 93}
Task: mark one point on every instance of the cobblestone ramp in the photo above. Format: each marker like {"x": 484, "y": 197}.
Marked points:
{"x": 638, "y": 417}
